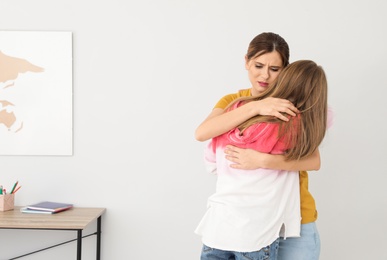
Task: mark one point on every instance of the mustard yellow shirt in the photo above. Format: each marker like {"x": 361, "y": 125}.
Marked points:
{"x": 308, "y": 205}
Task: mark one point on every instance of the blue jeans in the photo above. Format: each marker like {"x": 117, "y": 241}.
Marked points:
{"x": 305, "y": 247}
{"x": 266, "y": 253}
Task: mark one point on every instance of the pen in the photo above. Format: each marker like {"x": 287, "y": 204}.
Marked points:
{"x": 14, "y": 186}
{"x": 16, "y": 190}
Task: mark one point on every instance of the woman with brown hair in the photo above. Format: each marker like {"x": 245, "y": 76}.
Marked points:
{"x": 267, "y": 55}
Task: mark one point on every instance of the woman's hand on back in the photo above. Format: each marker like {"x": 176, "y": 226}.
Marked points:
{"x": 247, "y": 159}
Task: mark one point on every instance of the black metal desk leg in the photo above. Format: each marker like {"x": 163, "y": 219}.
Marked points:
{"x": 79, "y": 244}
{"x": 99, "y": 238}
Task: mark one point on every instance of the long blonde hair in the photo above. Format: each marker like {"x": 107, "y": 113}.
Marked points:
{"x": 304, "y": 84}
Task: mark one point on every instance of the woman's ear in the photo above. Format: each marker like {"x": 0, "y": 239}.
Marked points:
{"x": 247, "y": 62}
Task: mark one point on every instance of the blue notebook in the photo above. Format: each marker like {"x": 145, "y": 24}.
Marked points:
{"x": 46, "y": 207}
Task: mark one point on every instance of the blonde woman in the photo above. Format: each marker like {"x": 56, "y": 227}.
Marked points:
{"x": 251, "y": 209}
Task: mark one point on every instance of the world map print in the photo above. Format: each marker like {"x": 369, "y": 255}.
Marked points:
{"x": 36, "y": 93}
{"x": 10, "y": 68}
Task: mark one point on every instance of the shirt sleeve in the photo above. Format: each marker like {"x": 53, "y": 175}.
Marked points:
{"x": 210, "y": 157}
{"x": 330, "y": 117}
{"x": 224, "y": 101}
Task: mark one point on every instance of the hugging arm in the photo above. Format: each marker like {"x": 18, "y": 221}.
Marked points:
{"x": 219, "y": 121}
{"x": 250, "y": 159}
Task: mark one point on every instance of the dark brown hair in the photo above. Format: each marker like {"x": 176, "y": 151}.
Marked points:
{"x": 268, "y": 42}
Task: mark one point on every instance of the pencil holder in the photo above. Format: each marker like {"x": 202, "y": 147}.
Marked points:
{"x": 7, "y": 202}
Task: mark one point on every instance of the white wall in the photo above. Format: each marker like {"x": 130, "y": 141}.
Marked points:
{"x": 146, "y": 73}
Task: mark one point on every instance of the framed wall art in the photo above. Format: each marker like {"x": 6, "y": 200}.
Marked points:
{"x": 36, "y": 93}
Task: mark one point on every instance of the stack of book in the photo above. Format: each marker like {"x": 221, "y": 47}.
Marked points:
{"x": 46, "y": 207}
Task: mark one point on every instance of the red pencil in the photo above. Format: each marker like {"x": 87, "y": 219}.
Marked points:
{"x": 16, "y": 190}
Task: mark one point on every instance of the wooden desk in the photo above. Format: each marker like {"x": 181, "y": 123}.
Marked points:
{"x": 75, "y": 219}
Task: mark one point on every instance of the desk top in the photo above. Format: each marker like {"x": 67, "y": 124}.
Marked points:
{"x": 75, "y": 218}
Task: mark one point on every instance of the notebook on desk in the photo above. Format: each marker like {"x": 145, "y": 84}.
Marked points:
{"x": 46, "y": 207}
